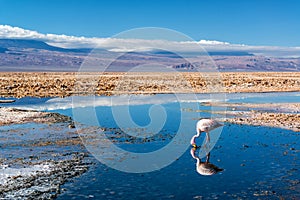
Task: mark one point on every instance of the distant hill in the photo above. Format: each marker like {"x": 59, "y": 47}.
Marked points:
{"x": 34, "y": 44}
{"x": 27, "y": 44}
{"x": 2, "y": 50}
{"x": 230, "y": 53}
{"x": 34, "y": 55}
{"x": 211, "y": 53}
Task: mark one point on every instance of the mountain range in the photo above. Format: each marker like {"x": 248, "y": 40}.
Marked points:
{"x": 35, "y": 55}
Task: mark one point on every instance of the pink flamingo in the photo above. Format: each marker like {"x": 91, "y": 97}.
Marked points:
{"x": 204, "y": 125}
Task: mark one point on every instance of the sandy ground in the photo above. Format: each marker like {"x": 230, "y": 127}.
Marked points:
{"x": 61, "y": 84}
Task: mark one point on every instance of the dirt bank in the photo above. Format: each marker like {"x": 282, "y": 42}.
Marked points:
{"x": 281, "y": 115}
{"x": 17, "y": 116}
{"x": 280, "y": 120}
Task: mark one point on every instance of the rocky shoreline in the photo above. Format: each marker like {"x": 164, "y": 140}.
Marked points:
{"x": 16, "y": 116}
{"x": 40, "y": 180}
{"x": 62, "y": 84}
{"x": 279, "y": 120}
{"x": 39, "y": 152}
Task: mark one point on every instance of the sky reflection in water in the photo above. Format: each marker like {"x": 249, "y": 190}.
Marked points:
{"x": 257, "y": 161}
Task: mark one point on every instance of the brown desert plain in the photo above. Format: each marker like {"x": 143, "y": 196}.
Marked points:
{"x": 62, "y": 84}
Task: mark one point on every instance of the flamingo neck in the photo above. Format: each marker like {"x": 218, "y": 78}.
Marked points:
{"x": 198, "y": 161}
{"x": 195, "y": 136}
{"x": 193, "y": 139}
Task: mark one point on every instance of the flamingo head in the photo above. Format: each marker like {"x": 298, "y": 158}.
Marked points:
{"x": 205, "y": 129}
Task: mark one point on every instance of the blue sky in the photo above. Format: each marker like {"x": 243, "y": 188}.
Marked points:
{"x": 251, "y": 22}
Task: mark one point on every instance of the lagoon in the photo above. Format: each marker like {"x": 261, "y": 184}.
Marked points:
{"x": 258, "y": 162}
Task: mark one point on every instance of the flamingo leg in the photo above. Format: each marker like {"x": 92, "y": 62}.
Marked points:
{"x": 207, "y": 137}
{"x": 207, "y": 157}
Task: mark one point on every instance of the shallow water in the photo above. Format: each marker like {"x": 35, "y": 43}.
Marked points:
{"x": 258, "y": 162}
{"x": 269, "y": 97}
{"x": 48, "y": 104}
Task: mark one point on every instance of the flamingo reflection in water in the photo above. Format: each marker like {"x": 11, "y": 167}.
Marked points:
{"x": 205, "y": 168}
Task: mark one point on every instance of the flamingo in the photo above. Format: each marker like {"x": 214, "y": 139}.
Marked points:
{"x": 204, "y": 125}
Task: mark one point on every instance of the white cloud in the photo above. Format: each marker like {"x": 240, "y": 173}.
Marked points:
{"x": 16, "y": 32}
{"x": 125, "y": 45}
{"x": 207, "y": 42}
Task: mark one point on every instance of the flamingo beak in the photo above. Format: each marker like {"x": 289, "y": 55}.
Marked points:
{"x": 194, "y": 146}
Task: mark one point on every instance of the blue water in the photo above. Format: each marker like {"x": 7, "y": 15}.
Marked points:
{"x": 272, "y": 97}
{"x": 258, "y": 162}
{"x": 253, "y": 159}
